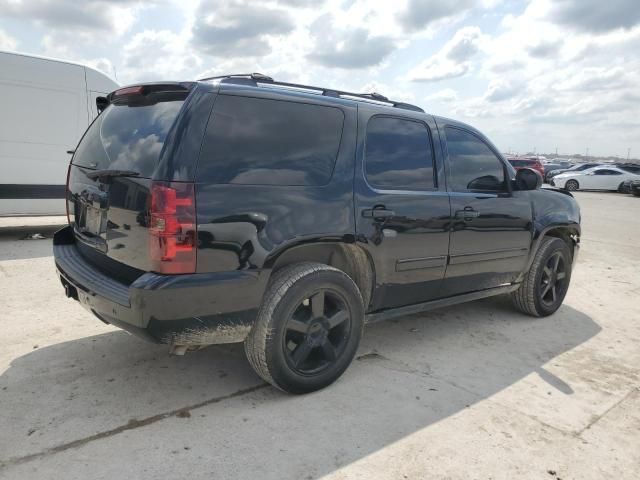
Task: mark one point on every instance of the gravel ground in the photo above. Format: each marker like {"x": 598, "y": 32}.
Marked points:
{"x": 473, "y": 391}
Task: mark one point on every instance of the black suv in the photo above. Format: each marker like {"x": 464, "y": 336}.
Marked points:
{"x": 239, "y": 208}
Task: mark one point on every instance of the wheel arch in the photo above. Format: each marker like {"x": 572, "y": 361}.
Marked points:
{"x": 347, "y": 257}
{"x": 567, "y": 232}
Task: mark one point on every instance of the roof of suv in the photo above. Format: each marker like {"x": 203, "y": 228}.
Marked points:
{"x": 259, "y": 80}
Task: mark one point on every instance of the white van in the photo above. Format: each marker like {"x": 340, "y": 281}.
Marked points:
{"x": 45, "y": 107}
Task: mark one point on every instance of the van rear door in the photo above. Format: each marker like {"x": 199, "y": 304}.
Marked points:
{"x": 110, "y": 177}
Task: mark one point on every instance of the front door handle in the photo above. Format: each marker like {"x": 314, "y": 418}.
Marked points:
{"x": 467, "y": 214}
{"x": 377, "y": 213}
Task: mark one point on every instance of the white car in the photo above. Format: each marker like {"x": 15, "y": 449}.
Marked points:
{"x": 597, "y": 178}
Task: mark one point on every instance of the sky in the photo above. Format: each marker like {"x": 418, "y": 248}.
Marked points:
{"x": 535, "y": 75}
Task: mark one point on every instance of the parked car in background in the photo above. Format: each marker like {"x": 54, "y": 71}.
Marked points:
{"x": 597, "y": 178}
{"x": 552, "y": 166}
{"x": 286, "y": 216}
{"x": 45, "y": 106}
{"x": 629, "y": 167}
{"x": 576, "y": 168}
{"x": 532, "y": 163}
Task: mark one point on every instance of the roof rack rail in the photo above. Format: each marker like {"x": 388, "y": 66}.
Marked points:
{"x": 257, "y": 79}
{"x": 253, "y": 76}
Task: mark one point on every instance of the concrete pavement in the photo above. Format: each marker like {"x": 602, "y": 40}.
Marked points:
{"x": 473, "y": 391}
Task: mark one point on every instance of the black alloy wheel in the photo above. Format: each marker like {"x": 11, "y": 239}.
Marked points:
{"x": 316, "y": 334}
{"x": 545, "y": 285}
{"x": 553, "y": 280}
{"x": 308, "y": 328}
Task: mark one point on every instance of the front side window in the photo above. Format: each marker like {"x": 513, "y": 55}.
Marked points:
{"x": 473, "y": 165}
{"x": 398, "y": 154}
{"x": 255, "y": 141}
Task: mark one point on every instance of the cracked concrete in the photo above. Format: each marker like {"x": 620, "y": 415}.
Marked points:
{"x": 473, "y": 391}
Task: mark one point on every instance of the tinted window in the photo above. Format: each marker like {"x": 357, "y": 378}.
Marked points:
{"x": 473, "y": 165}
{"x": 270, "y": 142}
{"x": 398, "y": 154}
{"x": 607, "y": 172}
{"x": 127, "y": 137}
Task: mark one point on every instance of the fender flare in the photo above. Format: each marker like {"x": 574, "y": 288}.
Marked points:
{"x": 573, "y": 230}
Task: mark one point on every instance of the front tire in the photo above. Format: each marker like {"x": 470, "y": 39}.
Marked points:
{"x": 544, "y": 287}
{"x": 308, "y": 328}
{"x": 571, "y": 185}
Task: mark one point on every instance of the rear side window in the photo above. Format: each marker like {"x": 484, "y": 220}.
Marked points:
{"x": 127, "y": 137}
{"x": 270, "y": 142}
{"x": 472, "y": 164}
{"x": 398, "y": 154}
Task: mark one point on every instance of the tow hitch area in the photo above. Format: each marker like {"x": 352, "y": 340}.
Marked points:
{"x": 69, "y": 290}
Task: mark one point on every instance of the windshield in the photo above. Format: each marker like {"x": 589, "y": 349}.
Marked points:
{"x": 126, "y": 137}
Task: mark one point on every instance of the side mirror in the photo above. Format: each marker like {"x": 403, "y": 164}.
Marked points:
{"x": 528, "y": 179}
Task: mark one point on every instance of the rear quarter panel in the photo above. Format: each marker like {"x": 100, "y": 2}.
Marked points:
{"x": 246, "y": 226}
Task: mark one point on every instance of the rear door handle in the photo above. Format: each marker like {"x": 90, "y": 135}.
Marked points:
{"x": 467, "y": 213}
{"x": 377, "y": 213}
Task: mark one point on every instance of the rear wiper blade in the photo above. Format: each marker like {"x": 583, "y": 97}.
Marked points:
{"x": 105, "y": 174}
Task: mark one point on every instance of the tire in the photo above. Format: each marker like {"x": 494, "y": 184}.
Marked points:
{"x": 571, "y": 185}
{"x": 636, "y": 193}
{"x": 534, "y": 296}
{"x": 308, "y": 328}
{"x": 621, "y": 188}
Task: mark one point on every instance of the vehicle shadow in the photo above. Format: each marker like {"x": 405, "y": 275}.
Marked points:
{"x": 409, "y": 374}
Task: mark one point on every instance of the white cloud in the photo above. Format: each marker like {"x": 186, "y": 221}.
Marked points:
{"x": 159, "y": 54}
{"x": 562, "y": 72}
{"x": 349, "y": 47}
{"x": 453, "y": 60}
{"x": 595, "y": 15}
{"x": 238, "y": 28}
{"x": 418, "y": 14}
{"x": 446, "y": 95}
{"x": 86, "y": 15}
{"x": 7, "y": 42}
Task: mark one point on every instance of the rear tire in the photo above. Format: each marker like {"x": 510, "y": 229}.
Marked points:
{"x": 571, "y": 185}
{"x": 544, "y": 287}
{"x": 308, "y": 328}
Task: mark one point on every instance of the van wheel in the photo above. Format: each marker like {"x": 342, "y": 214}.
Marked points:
{"x": 571, "y": 185}
{"x": 545, "y": 285}
{"x": 308, "y": 328}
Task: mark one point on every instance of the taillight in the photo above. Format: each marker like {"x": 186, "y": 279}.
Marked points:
{"x": 172, "y": 227}
{"x": 67, "y": 197}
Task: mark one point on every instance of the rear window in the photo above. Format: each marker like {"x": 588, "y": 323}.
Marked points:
{"x": 127, "y": 137}
{"x": 256, "y": 141}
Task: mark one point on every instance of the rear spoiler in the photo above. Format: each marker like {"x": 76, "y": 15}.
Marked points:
{"x": 145, "y": 94}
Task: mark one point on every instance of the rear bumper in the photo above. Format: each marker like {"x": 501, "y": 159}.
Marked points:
{"x": 194, "y": 309}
